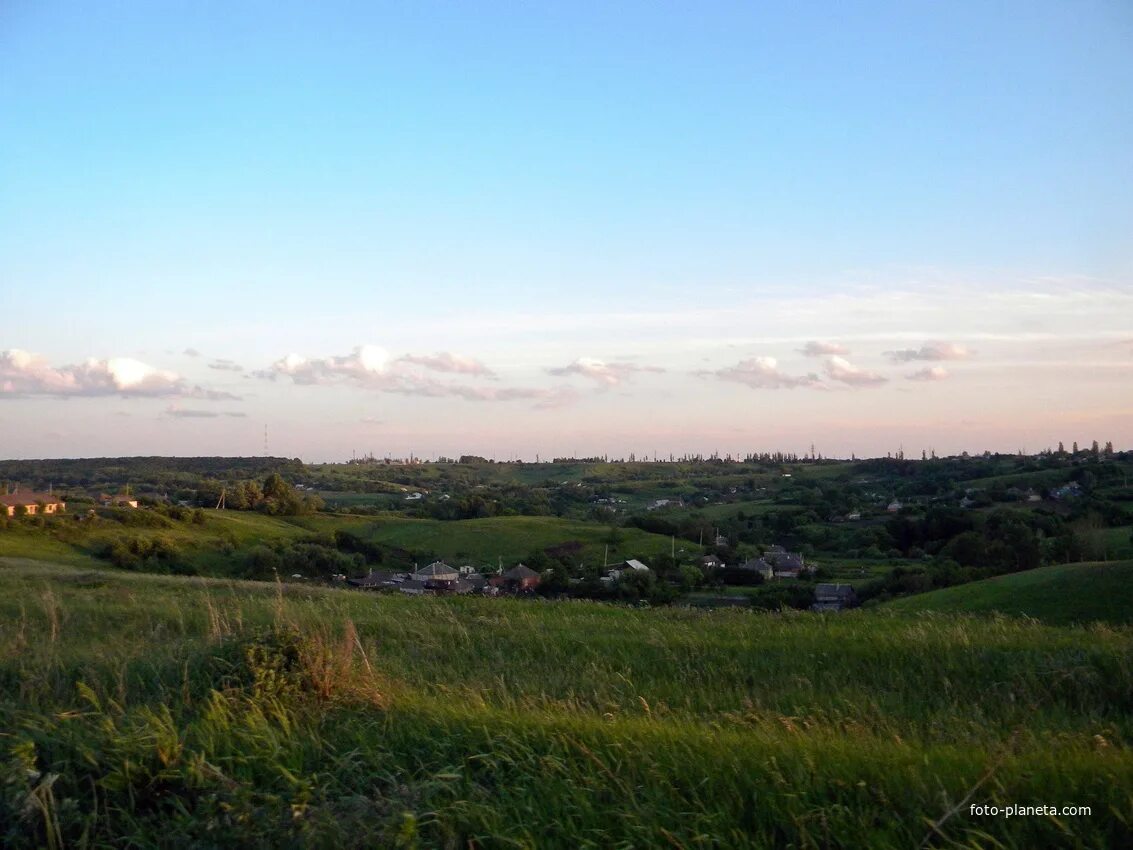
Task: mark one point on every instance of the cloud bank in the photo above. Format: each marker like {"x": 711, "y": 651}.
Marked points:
{"x": 25, "y": 374}
{"x": 370, "y": 367}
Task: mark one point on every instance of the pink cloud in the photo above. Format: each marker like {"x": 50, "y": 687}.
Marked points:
{"x": 842, "y": 370}
{"x": 26, "y": 374}
{"x": 607, "y": 374}
{"x": 818, "y": 348}
{"x": 764, "y": 373}
{"x": 930, "y": 373}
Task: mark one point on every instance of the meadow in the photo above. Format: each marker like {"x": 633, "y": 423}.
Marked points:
{"x": 486, "y": 541}
{"x": 216, "y": 545}
{"x": 141, "y": 710}
{"x": 1061, "y": 594}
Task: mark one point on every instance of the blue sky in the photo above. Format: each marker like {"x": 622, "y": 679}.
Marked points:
{"x": 667, "y": 190}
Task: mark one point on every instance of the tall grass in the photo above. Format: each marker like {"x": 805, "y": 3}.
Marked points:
{"x": 155, "y": 711}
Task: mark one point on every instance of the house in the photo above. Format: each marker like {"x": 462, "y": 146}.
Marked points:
{"x": 833, "y": 597}
{"x": 665, "y": 503}
{"x": 853, "y": 516}
{"x": 721, "y": 540}
{"x": 614, "y": 571}
{"x": 519, "y": 578}
{"x": 437, "y": 575}
{"x": 711, "y": 562}
{"x": 758, "y": 565}
{"x": 477, "y": 581}
{"x": 31, "y": 503}
{"x": 1068, "y": 491}
{"x": 412, "y": 587}
{"x": 784, "y": 561}
{"x": 894, "y": 506}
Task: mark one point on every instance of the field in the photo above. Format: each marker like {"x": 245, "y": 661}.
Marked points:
{"x": 142, "y": 710}
{"x": 1063, "y": 594}
{"x": 485, "y": 541}
{"x": 215, "y": 547}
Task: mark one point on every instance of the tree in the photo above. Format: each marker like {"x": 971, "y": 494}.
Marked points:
{"x": 281, "y": 499}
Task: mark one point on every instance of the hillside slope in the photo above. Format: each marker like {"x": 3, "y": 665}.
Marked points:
{"x": 185, "y": 712}
{"x": 1063, "y": 594}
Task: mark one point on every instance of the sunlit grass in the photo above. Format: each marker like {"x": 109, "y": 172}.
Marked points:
{"x": 189, "y": 712}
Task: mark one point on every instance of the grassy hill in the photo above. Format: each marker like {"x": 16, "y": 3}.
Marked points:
{"x": 1070, "y": 593}
{"x": 217, "y": 545}
{"x": 166, "y": 711}
{"x": 484, "y": 541}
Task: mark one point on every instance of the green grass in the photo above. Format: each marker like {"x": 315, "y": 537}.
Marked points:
{"x": 140, "y": 710}
{"x": 1070, "y": 593}
{"x": 215, "y": 547}
{"x": 757, "y": 507}
{"x": 485, "y": 541}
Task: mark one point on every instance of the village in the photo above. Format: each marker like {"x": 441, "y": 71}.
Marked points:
{"x": 441, "y": 579}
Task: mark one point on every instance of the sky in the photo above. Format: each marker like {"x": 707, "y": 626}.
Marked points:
{"x": 520, "y": 229}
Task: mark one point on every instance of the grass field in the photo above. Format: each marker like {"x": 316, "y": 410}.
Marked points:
{"x": 756, "y": 507}
{"x": 1070, "y": 593}
{"x": 485, "y": 541}
{"x": 140, "y": 710}
{"x": 215, "y": 547}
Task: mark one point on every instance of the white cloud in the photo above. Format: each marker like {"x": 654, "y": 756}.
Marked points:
{"x": 26, "y": 374}
{"x": 366, "y": 364}
{"x": 930, "y": 373}
{"x": 818, "y": 348}
{"x": 225, "y": 365}
{"x": 764, "y": 373}
{"x": 607, "y": 374}
{"x": 446, "y": 362}
{"x": 929, "y": 351}
{"x": 842, "y": 370}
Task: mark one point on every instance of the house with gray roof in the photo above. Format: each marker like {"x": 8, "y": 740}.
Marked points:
{"x": 758, "y": 565}
{"x": 438, "y": 573}
{"x": 833, "y": 597}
